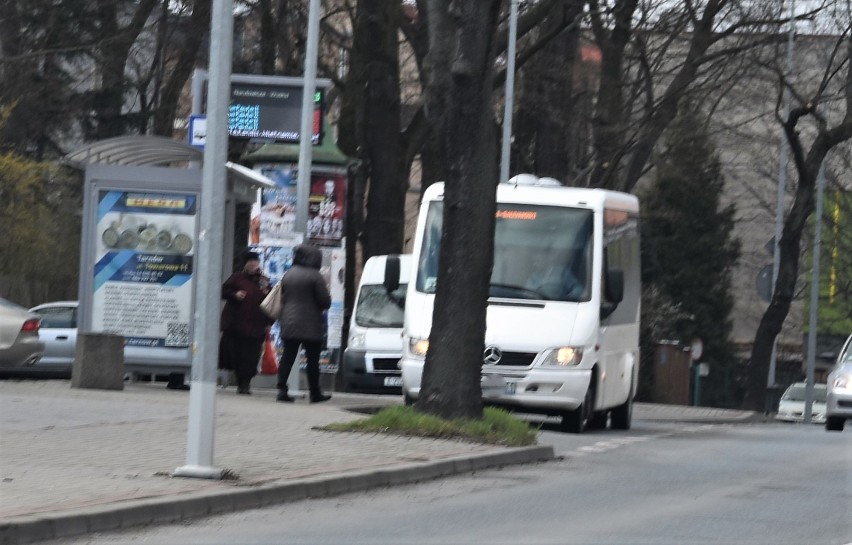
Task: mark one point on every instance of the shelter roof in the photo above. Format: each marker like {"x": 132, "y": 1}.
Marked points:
{"x": 155, "y": 151}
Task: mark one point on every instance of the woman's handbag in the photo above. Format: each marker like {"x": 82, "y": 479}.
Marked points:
{"x": 271, "y": 305}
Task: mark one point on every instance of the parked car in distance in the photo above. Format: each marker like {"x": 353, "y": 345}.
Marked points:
{"x": 59, "y": 334}
{"x": 20, "y": 346}
{"x": 791, "y": 408}
{"x": 838, "y": 401}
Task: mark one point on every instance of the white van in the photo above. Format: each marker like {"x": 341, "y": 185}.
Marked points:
{"x": 374, "y": 347}
{"x": 562, "y": 325}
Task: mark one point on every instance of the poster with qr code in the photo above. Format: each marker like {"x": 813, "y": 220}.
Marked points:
{"x": 143, "y": 270}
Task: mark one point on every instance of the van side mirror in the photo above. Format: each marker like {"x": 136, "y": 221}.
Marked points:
{"x": 392, "y": 269}
{"x": 613, "y": 291}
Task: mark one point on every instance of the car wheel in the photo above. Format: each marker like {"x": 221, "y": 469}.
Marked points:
{"x": 407, "y": 400}
{"x": 622, "y": 415}
{"x": 834, "y": 423}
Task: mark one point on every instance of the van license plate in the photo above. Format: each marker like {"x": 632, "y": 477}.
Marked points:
{"x": 393, "y": 381}
{"x": 510, "y": 388}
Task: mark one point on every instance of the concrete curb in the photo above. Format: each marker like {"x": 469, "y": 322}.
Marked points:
{"x": 29, "y": 529}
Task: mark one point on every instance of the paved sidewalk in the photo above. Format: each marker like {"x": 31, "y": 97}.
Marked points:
{"x": 76, "y": 461}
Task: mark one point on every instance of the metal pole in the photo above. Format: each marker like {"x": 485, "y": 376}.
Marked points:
{"x": 812, "y": 326}
{"x": 782, "y": 184}
{"x": 208, "y": 270}
{"x": 510, "y": 92}
{"x": 303, "y": 181}
{"x": 303, "y": 187}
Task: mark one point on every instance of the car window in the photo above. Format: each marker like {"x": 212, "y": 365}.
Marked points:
{"x": 59, "y": 317}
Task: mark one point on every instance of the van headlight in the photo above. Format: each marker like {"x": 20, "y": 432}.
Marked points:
{"x": 564, "y": 356}
{"x": 357, "y": 340}
{"x": 417, "y": 348}
{"x": 842, "y": 381}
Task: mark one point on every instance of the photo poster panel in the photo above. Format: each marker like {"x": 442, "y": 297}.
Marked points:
{"x": 273, "y": 216}
{"x": 276, "y": 261}
{"x": 144, "y": 266}
{"x": 326, "y": 209}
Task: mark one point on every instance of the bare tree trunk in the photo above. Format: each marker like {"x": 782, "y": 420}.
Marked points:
{"x": 182, "y": 68}
{"x": 807, "y": 167}
{"x": 546, "y": 99}
{"x": 609, "y": 116}
{"x": 378, "y": 42}
{"x": 458, "y": 104}
{"x": 371, "y": 124}
{"x": 113, "y": 55}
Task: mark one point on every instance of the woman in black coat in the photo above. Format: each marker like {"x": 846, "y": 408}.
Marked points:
{"x": 304, "y": 298}
{"x": 243, "y": 324}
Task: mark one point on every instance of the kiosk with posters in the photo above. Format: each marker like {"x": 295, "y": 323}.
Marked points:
{"x": 273, "y": 231}
{"x": 139, "y": 241}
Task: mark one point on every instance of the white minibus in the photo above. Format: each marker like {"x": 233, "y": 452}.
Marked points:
{"x": 562, "y": 326}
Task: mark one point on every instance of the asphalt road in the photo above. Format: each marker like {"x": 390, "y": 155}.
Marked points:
{"x": 657, "y": 484}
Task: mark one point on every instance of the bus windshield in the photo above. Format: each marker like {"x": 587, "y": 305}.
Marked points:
{"x": 540, "y": 252}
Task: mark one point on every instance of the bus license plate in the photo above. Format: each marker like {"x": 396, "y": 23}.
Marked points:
{"x": 393, "y": 381}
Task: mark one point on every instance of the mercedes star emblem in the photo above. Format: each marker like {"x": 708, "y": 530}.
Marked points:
{"x": 492, "y": 355}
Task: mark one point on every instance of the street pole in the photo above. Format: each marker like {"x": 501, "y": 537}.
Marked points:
{"x": 812, "y": 326}
{"x": 303, "y": 180}
{"x": 779, "y": 203}
{"x": 510, "y": 92}
{"x": 208, "y": 269}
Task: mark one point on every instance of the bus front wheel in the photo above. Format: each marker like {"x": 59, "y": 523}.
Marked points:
{"x": 575, "y": 421}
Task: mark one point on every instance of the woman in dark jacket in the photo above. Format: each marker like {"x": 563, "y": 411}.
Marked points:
{"x": 304, "y": 297}
{"x": 244, "y": 325}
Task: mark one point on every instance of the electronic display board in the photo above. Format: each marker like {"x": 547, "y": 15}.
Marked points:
{"x": 271, "y": 111}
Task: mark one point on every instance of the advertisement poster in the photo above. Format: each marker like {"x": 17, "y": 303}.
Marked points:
{"x": 143, "y": 275}
{"x": 273, "y": 217}
{"x": 326, "y": 207}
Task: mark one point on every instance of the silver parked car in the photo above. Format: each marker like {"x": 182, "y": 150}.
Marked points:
{"x": 838, "y": 402}
{"x": 791, "y": 408}
{"x": 59, "y": 334}
{"x": 19, "y": 342}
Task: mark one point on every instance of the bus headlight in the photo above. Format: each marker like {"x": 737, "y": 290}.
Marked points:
{"x": 418, "y": 347}
{"x": 564, "y": 356}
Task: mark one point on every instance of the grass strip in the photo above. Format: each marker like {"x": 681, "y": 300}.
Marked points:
{"x": 497, "y": 426}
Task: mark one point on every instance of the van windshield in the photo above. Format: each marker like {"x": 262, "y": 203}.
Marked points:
{"x": 540, "y": 252}
{"x": 377, "y": 308}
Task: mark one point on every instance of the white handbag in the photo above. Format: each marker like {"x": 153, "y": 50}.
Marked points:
{"x": 271, "y": 304}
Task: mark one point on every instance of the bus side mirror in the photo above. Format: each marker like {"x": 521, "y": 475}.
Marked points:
{"x": 614, "y": 288}
{"x": 391, "y": 282}
{"x": 613, "y": 291}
